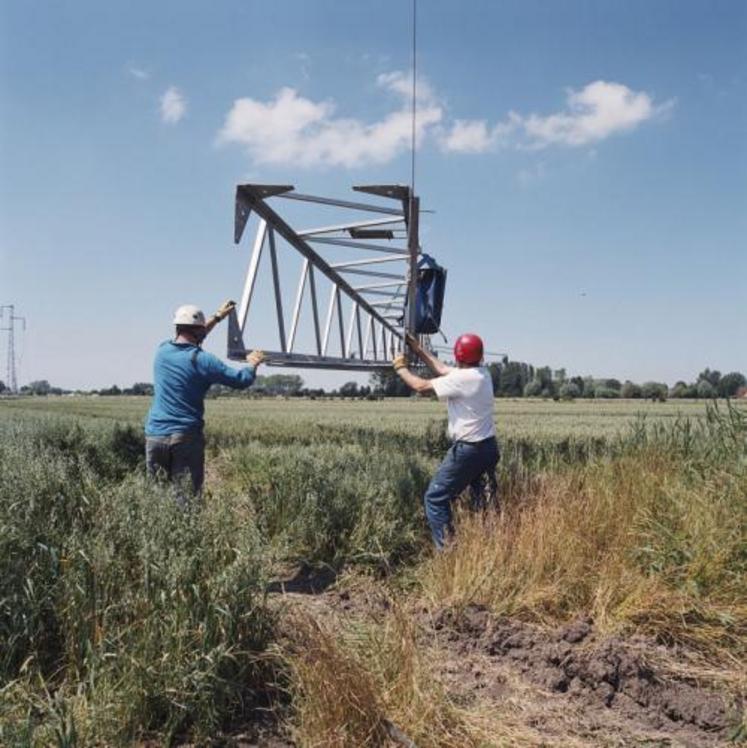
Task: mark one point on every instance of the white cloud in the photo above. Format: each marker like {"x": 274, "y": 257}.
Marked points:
{"x": 173, "y": 106}
{"x": 138, "y": 73}
{"x": 596, "y": 112}
{"x": 467, "y": 136}
{"x": 291, "y": 129}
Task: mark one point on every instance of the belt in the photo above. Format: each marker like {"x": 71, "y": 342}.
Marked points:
{"x": 475, "y": 444}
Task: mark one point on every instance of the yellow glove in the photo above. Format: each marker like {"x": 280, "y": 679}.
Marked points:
{"x": 225, "y": 309}
{"x": 399, "y": 362}
{"x": 255, "y": 358}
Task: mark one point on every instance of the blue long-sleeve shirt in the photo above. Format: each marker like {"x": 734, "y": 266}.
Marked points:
{"x": 182, "y": 375}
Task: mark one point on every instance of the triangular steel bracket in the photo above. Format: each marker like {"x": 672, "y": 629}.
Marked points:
{"x": 394, "y": 191}
{"x": 246, "y": 196}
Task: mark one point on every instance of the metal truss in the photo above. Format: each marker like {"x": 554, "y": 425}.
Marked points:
{"x": 371, "y": 291}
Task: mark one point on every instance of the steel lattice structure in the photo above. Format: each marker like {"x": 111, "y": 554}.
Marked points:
{"x": 371, "y": 330}
{"x": 12, "y": 382}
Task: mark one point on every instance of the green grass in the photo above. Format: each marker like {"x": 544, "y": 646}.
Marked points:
{"x": 123, "y": 618}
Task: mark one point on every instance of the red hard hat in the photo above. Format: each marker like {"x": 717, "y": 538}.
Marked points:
{"x": 468, "y": 349}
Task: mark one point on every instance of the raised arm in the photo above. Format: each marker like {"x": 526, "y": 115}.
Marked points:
{"x": 223, "y": 311}
{"x": 432, "y": 362}
{"x": 240, "y": 379}
{"x": 413, "y": 381}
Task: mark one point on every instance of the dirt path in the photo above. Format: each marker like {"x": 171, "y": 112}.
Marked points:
{"x": 564, "y": 687}
{"x": 573, "y": 683}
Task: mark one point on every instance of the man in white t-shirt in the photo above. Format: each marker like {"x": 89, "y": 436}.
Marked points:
{"x": 468, "y": 391}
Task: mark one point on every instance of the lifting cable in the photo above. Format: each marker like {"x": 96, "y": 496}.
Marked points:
{"x": 414, "y": 92}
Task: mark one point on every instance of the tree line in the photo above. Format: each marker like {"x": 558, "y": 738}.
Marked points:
{"x": 510, "y": 379}
{"x": 520, "y": 379}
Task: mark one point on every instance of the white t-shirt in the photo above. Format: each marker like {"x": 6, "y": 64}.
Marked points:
{"x": 469, "y": 398}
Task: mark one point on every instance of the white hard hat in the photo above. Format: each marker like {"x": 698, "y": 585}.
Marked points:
{"x": 189, "y": 314}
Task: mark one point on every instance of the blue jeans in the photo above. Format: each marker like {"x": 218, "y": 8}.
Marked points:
{"x": 465, "y": 465}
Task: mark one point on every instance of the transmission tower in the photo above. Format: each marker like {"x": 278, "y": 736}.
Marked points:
{"x": 12, "y": 318}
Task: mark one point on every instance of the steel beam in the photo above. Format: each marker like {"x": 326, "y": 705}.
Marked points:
{"x": 307, "y": 361}
{"x": 392, "y": 284}
{"x": 341, "y": 203}
{"x": 374, "y": 274}
{"x": 297, "y": 307}
{"x": 251, "y": 274}
{"x": 347, "y": 350}
{"x": 357, "y": 245}
{"x": 348, "y": 226}
{"x": 278, "y": 295}
{"x": 315, "y": 310}
{"x": 368, "y": 261}
{"x": 328, "y": 322}
{"x": 388, "y": 294}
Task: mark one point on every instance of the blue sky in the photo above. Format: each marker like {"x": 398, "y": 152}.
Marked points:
{"x": 586, "y": 163}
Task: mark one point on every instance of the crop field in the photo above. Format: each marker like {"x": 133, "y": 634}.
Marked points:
{"x": 300, "y": 603}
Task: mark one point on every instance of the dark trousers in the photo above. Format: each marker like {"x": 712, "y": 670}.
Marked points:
{"x": 179, "y": 458}
{"x": 465, "y": 464}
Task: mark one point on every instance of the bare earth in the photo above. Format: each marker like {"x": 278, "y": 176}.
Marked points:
{"x": 567, "y": 686}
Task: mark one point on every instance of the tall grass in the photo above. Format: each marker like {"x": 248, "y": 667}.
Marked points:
{"x": 332, "y": 504}
{"x": 120, "y": 615}
{"x": 652, "y": 537}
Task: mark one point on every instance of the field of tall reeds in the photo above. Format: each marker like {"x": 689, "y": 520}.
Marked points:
{"x": 124, "y": 619}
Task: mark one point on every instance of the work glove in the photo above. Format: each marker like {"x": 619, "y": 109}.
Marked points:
{"x": 225, "y": 309}
{"x": 399, "y": 362}
{"x": 255, "y": 358}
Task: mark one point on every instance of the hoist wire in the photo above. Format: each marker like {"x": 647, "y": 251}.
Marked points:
{"x": 414, "y": 91}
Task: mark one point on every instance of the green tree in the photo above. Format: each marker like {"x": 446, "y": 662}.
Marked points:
{"x": 39, "y": 387}
{"x": 579, "y": 382}
{"x": 589, "y": 387}
{"x": 349, "y": 389}
{"x": 2, "y": 386}
{"x": 712, "y": 377}
{"x": 544, "y": 375}
{"x": 631, "y": 390}
{"x": 706, "y": 389}
{"x": 655, "y": 391}
{"x": 495, "y": 375}
{"x": 387, "y": 383}
{"x": 682, "y": 389}
{"x": 605, "y": 393}
{"x": 280, "y": 384}
{"x": 141, "y": 388}
{"x": 731, "y": 383}
{"x": 569, "y": 391}
{"x": 513, "y": 377}
{"x": 113, "y": 390}
{"x": 533, "y": 388}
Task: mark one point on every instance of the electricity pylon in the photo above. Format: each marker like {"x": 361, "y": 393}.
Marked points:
{"x": 12, "y": 382}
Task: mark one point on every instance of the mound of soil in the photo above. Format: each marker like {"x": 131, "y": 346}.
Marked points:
{"x": 600, "y": 673}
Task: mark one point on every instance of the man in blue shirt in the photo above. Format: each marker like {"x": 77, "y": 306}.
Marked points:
{"x": 182, "y": 375}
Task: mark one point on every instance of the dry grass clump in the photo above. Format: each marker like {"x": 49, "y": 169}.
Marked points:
{"x": 373, "y": 685}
